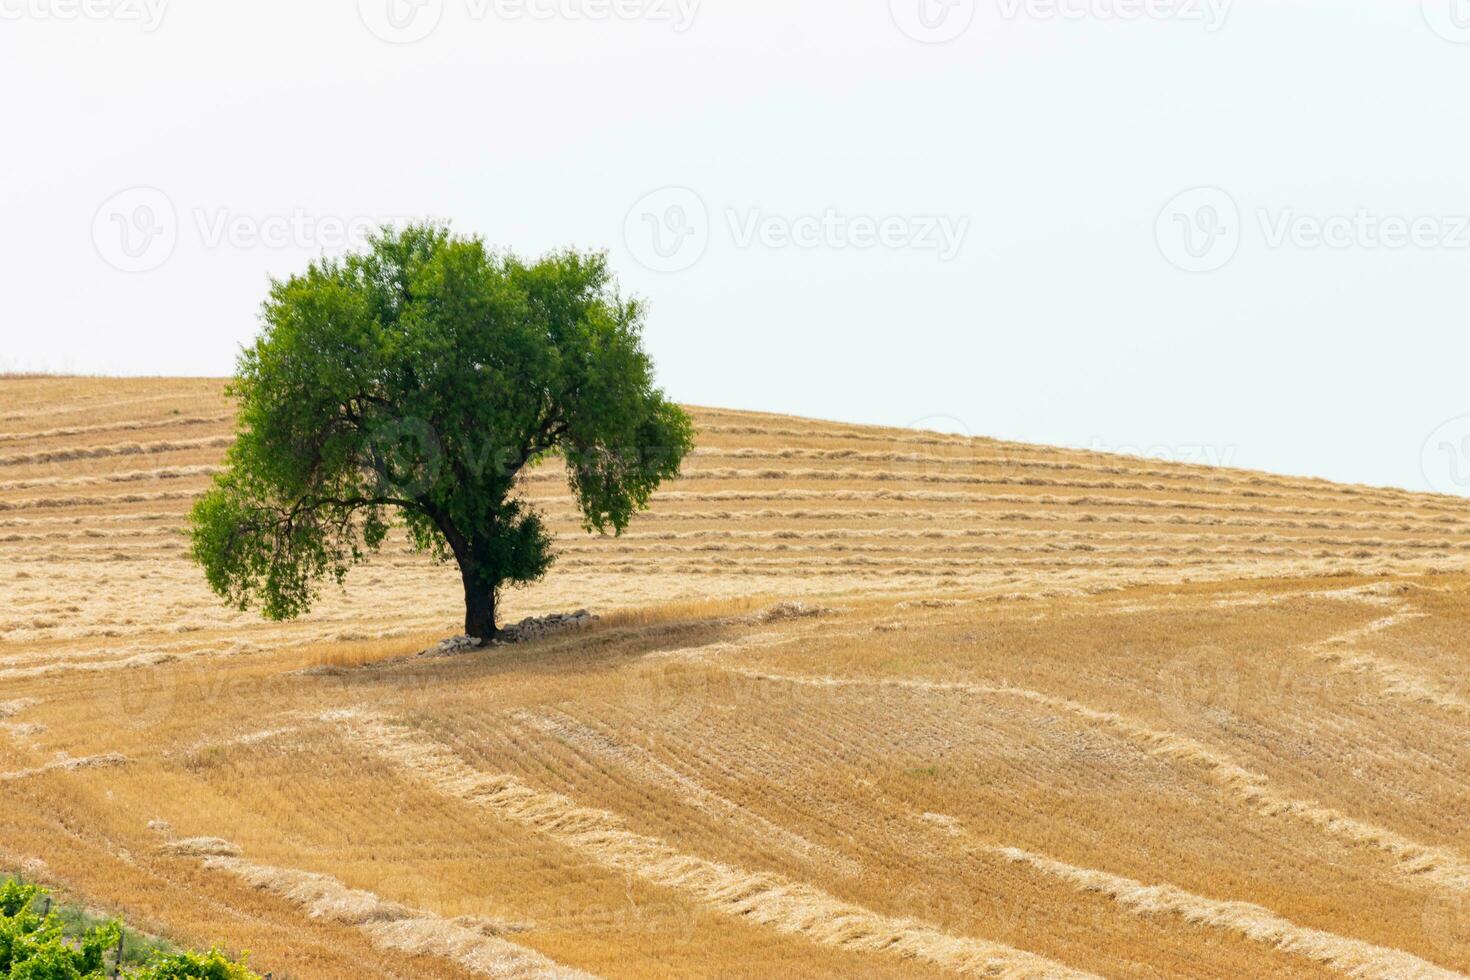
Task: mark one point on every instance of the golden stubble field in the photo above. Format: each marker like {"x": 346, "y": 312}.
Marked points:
{"x": 861, "y": 702}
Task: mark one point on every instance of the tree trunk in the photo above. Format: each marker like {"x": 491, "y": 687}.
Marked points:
{"x": 479, "y": 607}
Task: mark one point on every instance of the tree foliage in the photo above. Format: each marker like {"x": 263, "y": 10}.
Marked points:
{"x": 34, "y": 945}
{"x": 416, "y": 382}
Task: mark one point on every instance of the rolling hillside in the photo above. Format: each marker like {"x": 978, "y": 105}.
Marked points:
{"x": 860, "y": 702}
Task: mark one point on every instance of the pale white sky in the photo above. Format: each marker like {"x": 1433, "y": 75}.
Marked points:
{"x": 1222, "y": 232}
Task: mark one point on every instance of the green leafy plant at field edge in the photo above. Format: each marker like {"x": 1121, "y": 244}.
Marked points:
{"x": 69, "y": 945}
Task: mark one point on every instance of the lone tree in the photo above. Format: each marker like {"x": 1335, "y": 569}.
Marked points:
{"x": 418, "y": 381}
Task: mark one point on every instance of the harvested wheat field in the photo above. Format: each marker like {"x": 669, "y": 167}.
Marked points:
{"x": 858, "y": 703}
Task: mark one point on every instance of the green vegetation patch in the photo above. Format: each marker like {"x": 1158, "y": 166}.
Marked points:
{"x": 38, "y": 942}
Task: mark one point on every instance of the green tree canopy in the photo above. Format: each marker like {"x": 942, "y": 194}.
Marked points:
{"x": 416, "y": 382}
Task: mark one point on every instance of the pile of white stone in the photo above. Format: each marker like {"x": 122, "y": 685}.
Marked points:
{"x": 535, "y": 627}
{"x": 451, "y": 646}
{"x": 531, "y": 628}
